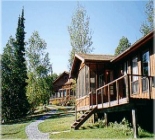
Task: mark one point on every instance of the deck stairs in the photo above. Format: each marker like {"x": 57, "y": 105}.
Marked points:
{"x": 83, "y": 118}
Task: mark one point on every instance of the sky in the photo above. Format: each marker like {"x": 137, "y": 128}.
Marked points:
{"x": 109, "y": 21}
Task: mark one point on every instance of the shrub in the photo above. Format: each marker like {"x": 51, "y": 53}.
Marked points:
{"x": 124, "y": 126}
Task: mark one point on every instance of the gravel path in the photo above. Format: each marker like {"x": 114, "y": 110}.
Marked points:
{"x": 32, "y": 129}
{"x": 33, "y": 132}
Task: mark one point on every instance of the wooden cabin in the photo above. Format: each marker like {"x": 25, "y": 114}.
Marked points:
{"x": 106, "y": 83}
{"x": 64, "y": 93}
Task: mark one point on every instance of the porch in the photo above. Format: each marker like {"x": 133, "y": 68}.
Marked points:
{"x": 62, "y": 100}
{"x": 119, "y": 92}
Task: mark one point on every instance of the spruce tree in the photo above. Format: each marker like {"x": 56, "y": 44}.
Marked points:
{"x": 14, "y": 75}
{"x": 20, "y": 69}
{"x": 8, "y": 92}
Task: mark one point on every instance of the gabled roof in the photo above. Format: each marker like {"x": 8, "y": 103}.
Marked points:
{"x": 135, "y": 46}
{"x": 83, "y": 58}
{"x": 61, "y": 75}
{"x": 94, "y": 57}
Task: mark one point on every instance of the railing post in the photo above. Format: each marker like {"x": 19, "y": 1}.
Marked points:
{"x": 102, "y": 96}
{"x": 117, "y": 92}
{"x": 92, "y": 99}
{"x": 148, "y": 78}
{"x": 96, "y": 97}
{"x": 129, "y": 83}
{"x": 109, "y": 95}
{"x": 75, "y": 112}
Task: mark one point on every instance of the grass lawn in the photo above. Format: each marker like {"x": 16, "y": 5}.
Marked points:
{"x": 87, "y": 131}
{"x": 62, "y": 121}
{"x": 14, "y": 131}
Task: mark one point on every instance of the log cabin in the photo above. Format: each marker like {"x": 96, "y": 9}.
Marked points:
{"x": 63, "y": 88}
{"x": 109, "y": 84}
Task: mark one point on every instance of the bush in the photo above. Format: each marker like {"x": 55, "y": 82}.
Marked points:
{"x": 124, "y": 127}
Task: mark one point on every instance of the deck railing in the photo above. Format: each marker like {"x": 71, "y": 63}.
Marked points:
{"x": 124, "y": 88}
{"x": 119, "y": 91}
{"x": 113, "y": 91}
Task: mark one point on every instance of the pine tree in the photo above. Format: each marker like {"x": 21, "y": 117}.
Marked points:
{"x": 20, "y": 69}
{"x": 14, "y": 75}
{"x": 8, "y": 85}
{"x": 122, "y": 46}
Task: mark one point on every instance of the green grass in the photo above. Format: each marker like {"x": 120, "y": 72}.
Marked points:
{"x": 58, "y": 122}
{"x": 87, "y": 131}
{"x": 14, "y": 131}
{"x": 62, "y": 121}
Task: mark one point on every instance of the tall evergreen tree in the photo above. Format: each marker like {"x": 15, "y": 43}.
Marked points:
{"x": 8, "y": 85}
{"x": 14, "y": 75}
{"x": 21, "y": 69}
{"x": 122, "y": 46}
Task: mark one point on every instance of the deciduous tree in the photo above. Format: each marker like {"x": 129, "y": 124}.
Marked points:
{"x": 80, "y": 33}
{"x": 38, "y": 63}
{"x": 148, "y": 25}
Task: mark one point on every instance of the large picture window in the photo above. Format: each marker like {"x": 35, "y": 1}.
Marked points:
{"x": 134, "y": 77}
{"x": 145, "y": 70}
{"x": 145, "y": 63}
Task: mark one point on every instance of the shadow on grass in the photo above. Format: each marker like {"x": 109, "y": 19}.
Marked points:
{"x": 146, "y": 135}
{"x": 38, "y": 116}
{"x": 11, "y": 133}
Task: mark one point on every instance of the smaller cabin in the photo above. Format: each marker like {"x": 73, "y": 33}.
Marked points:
{"x": 63, "y": 88}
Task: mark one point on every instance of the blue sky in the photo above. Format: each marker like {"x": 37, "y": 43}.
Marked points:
{"x": 109, "y": 21}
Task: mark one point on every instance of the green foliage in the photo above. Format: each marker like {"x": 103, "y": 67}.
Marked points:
{"x": 80, "y": 34}
{"x": 54, "y": 76}
{"x": 14, "y": 75}
{"x": 148, "y": 25}
{"x": 122, "y": 46}
{"x": 39, "y": 82}
{"x": 124, "y": 127}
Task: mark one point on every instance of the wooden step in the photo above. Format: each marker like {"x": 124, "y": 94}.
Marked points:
{"x": 83, "y": 118}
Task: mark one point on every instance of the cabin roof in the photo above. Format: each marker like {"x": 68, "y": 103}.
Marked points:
{"x": 94, "y": 57}
{"x": 83, "y": 58}
{"x": 61, "y": 75}
{"x": 135, "y": 46}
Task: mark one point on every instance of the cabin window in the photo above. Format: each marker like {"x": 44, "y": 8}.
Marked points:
{"x": 92, "y": 81}
{"x": 87, "y": 84}
{"x": 145, "y": 63}
{"x": 58, "y": 94}
{"x": 125, "y": 69}
{"x": 64, "y": 93}
{"x": 134, "y": 77}
{"x": 145, "y": 70}
{"x": 101, "y": 81}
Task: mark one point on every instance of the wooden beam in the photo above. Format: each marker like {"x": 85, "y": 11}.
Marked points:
{"x": 134, "y": 123}
{"x": 102, "y": 96}
{"x": 117, "y": 91}
{"x": 106, "y": 118}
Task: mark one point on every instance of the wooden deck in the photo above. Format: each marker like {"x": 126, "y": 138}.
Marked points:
{"x": 119, "y": 95}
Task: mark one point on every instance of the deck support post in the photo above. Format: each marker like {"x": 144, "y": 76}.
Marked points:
{"x": 106, "y": 118}
{"x": 134, "y": 122}
{"x": 75, "y": 112}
